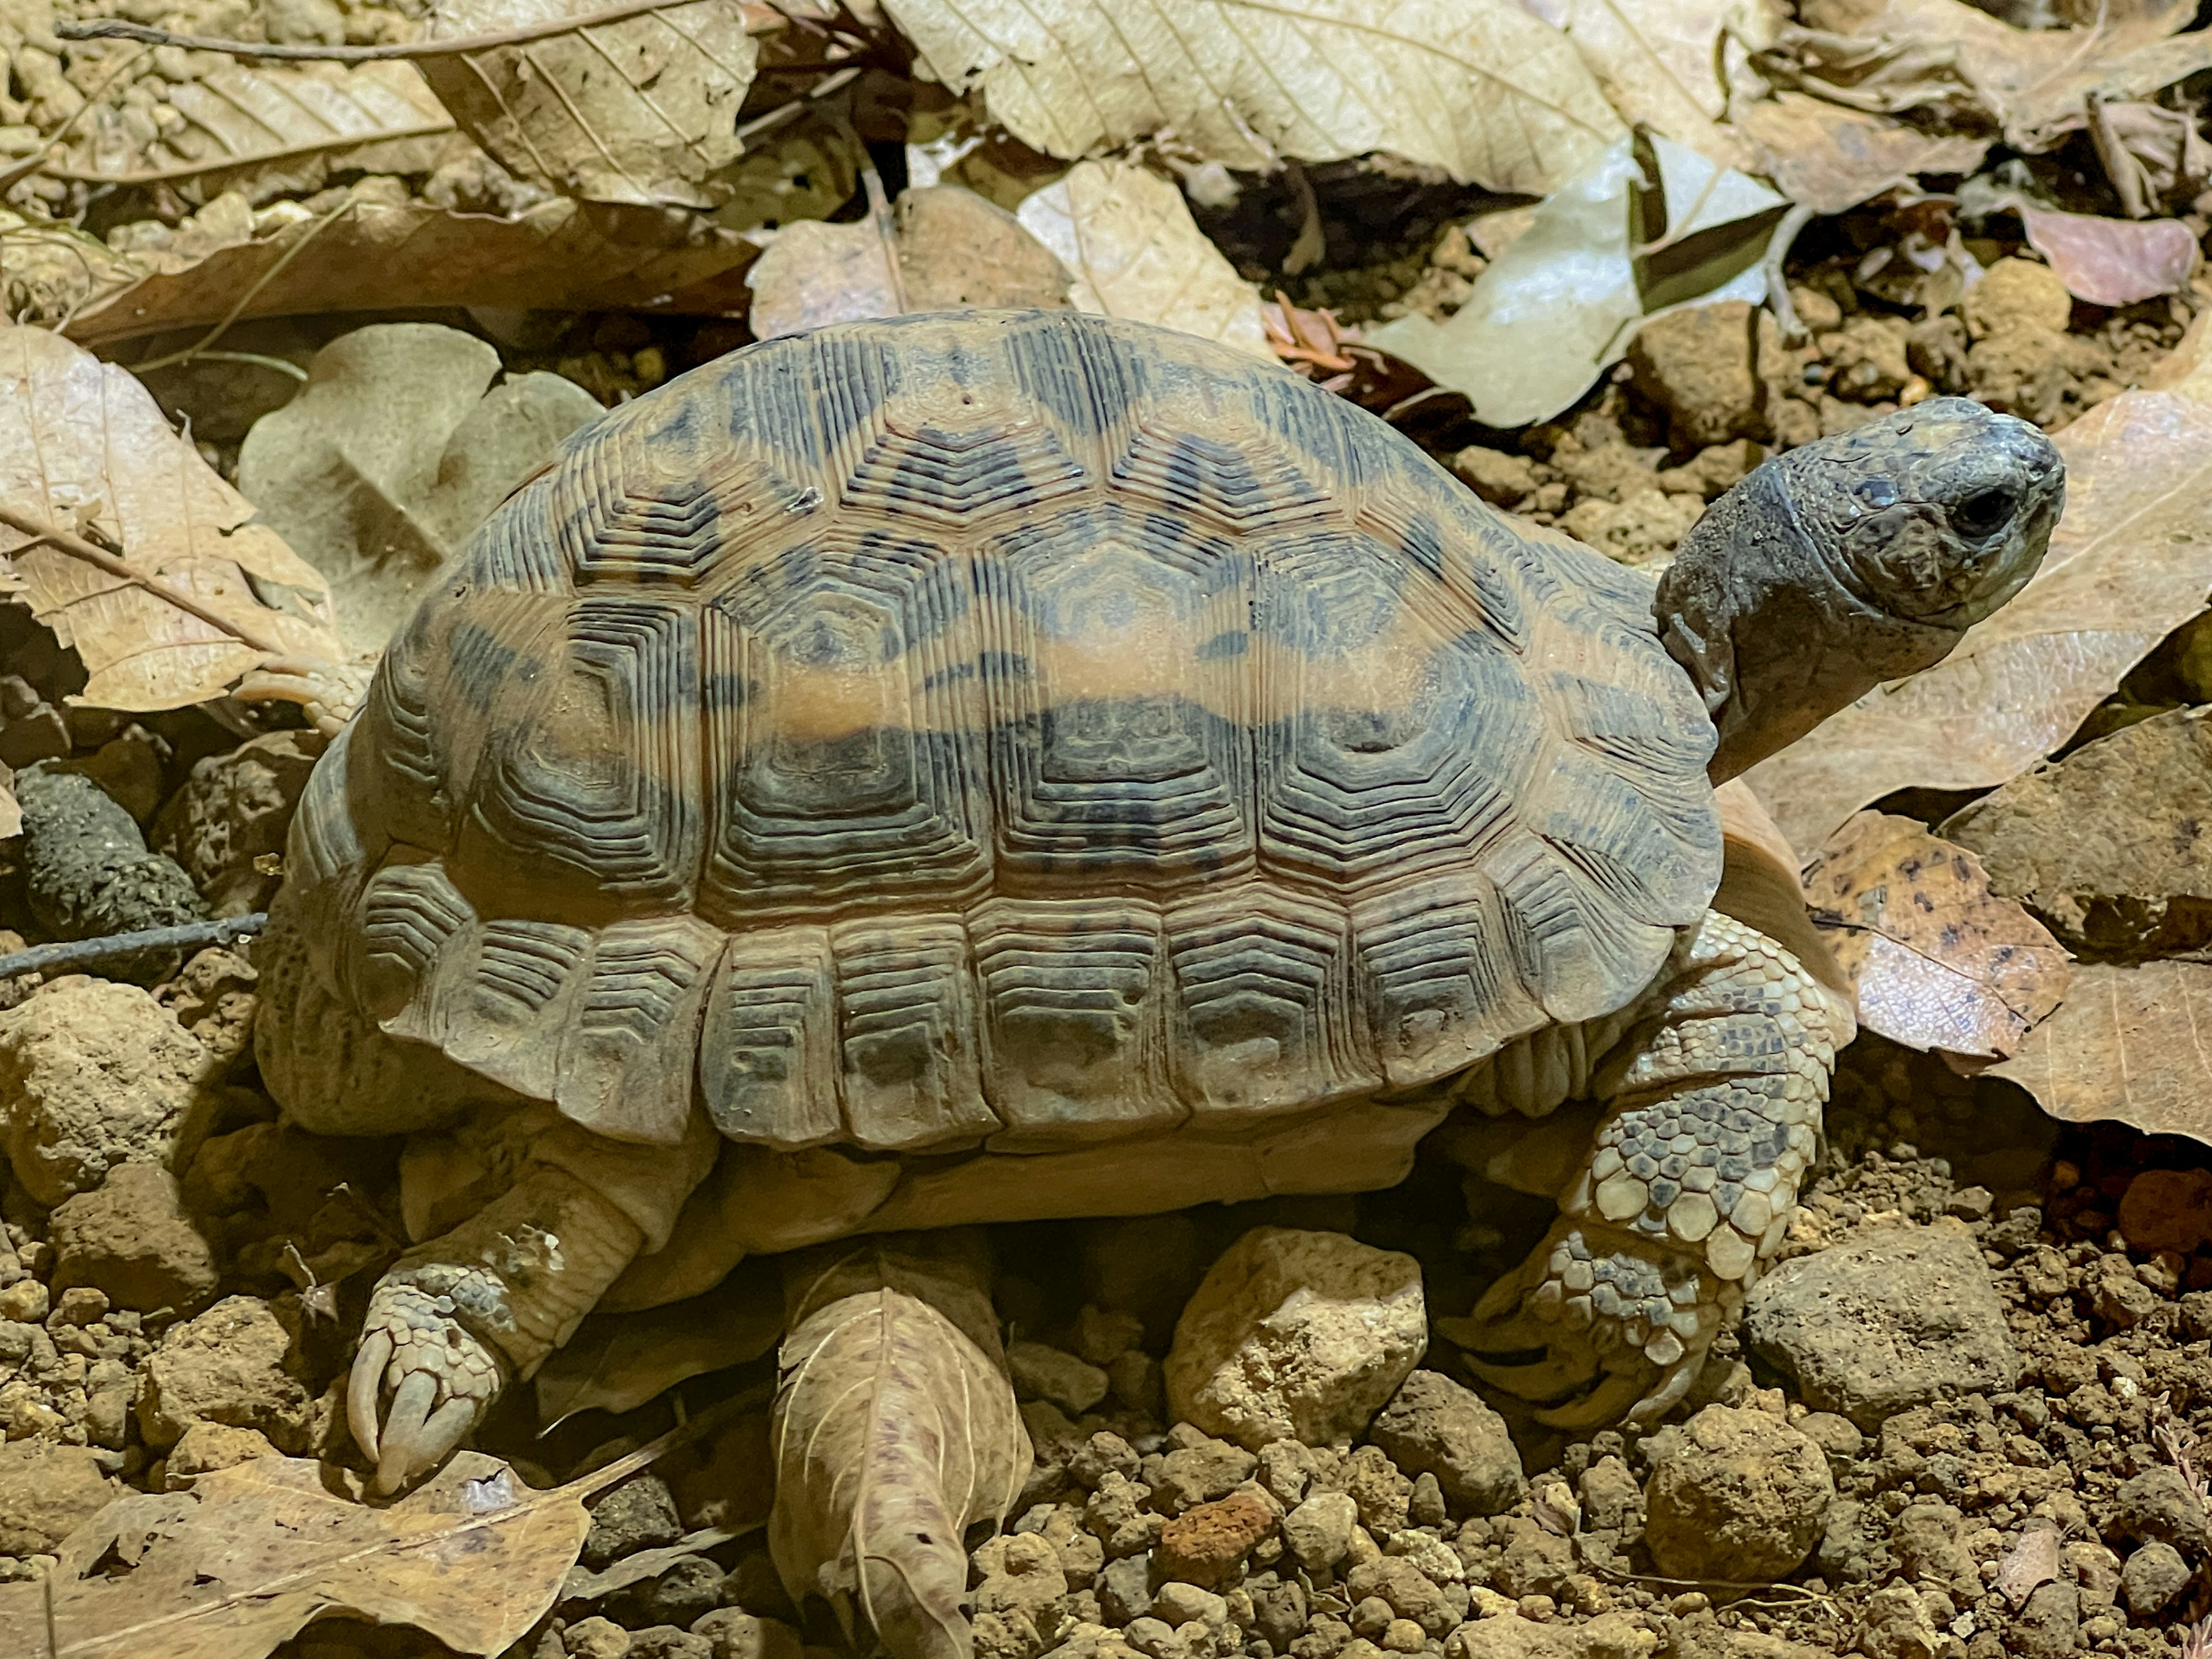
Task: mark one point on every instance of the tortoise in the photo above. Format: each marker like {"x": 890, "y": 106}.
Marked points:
{"x": 992, "y": 766}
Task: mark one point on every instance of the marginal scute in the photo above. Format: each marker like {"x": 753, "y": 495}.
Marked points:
{"x": 408, "y": 911}
{"x": 504, "y": 1004}
{"x": 906, "y": 999}
{"x": 628, "y": 1057}
{"x": 768, "y": 1053}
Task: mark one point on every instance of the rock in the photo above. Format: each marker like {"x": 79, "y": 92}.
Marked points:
{"x": 235, "y": 808}
{"x": 1610, "y": 1636}
{"x": 26, "y": 1303}
{"x": 1426, "y": 1507}
{"x": 2167, "y": 1210}
{"x": 131, "y": 1237}
{"x": 596, "y": 1638}
{"x": 1897, "y": 1317}
{"x": 206, "y": 1447}
{"x": 1016, "y": 1607}
{"x": 2153, "y": 1577}
{"x": 1407, "y": 1592}
{"x": 1103, "y": 1337}
{"x": 1738, "y": 1495}
{"x": 638, "y": 1515}
{"x": 2157, "y": 1503}
{"x": 1040, "y": 1372}
{"x": 1101, "y": 1455}
{"x": 733, "y": 1633}
{"x": 46, "y": 1492}
{"x": 1118, "y": 1515}
{"x": 1837, "y": 1436}
{"x": 2116, "y": 1296}
{"x": 1500, "y": 476}
{"x": 86, "y": 872}
{"x": 93, "y": 1074}
{"x": 1207, "y": 1544}
{"x": 235, "y": 1364}
{"x": 680, "y": 1594}
{"x": 1199, "y": 1470}
{"x": 1699, "y": 365}
{"x": 1434, "y": 1426}
{"x": 668, "y": 1642}
{"x": 1297, "y": 1335}
{"x": 2050, "y": 1626}
{"x": 1179, "y": 1604}
{"x": 1535, "y": 1561}
{"x": 2016, "y": 294}
{"x": 1929, "y": 1539}
{"x": 1279, "y": 1613}
{"x": 1866, "y": 359}
{"x": 1896, "y": 1625}
{"x": 1319, "y": 1530}
{"x": 1611, "y": 1499}
{"x": 1125, "y": 1589}
{"x": 1382, "y": 1494}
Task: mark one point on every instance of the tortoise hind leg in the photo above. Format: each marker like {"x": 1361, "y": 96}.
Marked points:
{"x": 458, "y": 1318}
{"x": 1714, "y": 1116}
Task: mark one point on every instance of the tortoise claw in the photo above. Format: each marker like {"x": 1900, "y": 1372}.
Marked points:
{"x": 437, "y": 1376}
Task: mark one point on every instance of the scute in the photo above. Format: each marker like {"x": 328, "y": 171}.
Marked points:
{"x": 1014, "y": 730}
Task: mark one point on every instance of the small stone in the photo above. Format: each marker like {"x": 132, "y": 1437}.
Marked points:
{"x": 668, "y": 1642}
{"x": 1099, "y": 1455}
{"x": 1156, "y": 1638}
{"x": 233, "y": 810}
{"x": 1407, "y": 1593}
{"x": 1500, "y": 476}
{"x": 206, "y": 1447}
{"x": 1697, "y": 364}
{"x": 46, "y": 1492}
{"x": 1535, "y": 1562}
{"x": 1102, "y": 1336}
{"x": 131, "y": 1237}
{"x": 2157, "y": 1503}
{"x": 1402, "y": 1636}
{"x": 1381, "y": 1492}
{"x": 1207, "y": 1544}
{"x": 1739, "y": 1495}
{"x": 1319, "y": 1531}
{"x": 1286, "y": 1470}
{"x": 681, "y": 1593}
{"x": 1119, "y": 1514}
{"x": 1125, "y": 1589}
{"x": 1297, "y": 1335}
{"x": 1514, "y": 1636}
{"x": 596, "y": 1638}
{"x": 1426, "y": 1507}
{"x": 1040, "y": 1372}
{"x": 1181, "y": 1604}
{"x": 237, "y": 1363}
{"x": 638, "y": 1515}
{"x": 1929, "y": 1537}
{"x": 1434, "y": 1426}
{"x": 733, "y": 1633}
{"x": 1834, "y": 1434}
{"x": 2050, "y": 1626}
{"x": 26, "y": 1301}
{"x": 1897, "y": 1626}
{"x": 2016, "y": 294}
{"x": 1900, "y": 1316}
{"x": 2153, "y": 1577}
{"x": 1200, "y": 1471}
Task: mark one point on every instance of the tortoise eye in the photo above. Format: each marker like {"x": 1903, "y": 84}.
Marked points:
{"x": 1983, "y": 513}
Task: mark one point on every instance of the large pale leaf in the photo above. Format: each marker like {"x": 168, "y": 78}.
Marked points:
{"x": 1830, "y": 159}
{"x": 1560, "y": 305}
{"x": 252, "y": 1555}
{"x": 2130, "y": 561}
{"x": 640, "y": 111}
{"x": 2128, "y": 1045}
{"x": 84, "y": 447}
{"x": 1476, "y": 87}
{"x": 1128, "y": 241}
{"x": 1939, "y": 961}
{"x": 239, "y": 123}
{"x": 1659, "y": 61}
{"x": 895, "y": 1430}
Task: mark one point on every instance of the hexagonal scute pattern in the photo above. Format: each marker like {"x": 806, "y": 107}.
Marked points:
{"x": 1018, "y": 730}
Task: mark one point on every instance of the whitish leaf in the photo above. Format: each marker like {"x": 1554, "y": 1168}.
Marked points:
{"x": 895, "y": 1432}
{"x": 642, "y": 111}
{"x": 396, "y": 449}
{"x": 2130, "y": 561}
{"x": 12, "y": 814}
{"x": 1131, "y": 249}
{"x": 1939, "y": 962}
{"x": 1659, "y": 61}
{"x": 239, "y": 123}
{"x": 2112, "y": 262}
{"x": 1476, "y": 87}
{"x": 2128, "y": 1045}
{"x": 250, "y": 1555}
{"x": 2029, "y": 1564}
{"x": 814, "y": 274}
{"x": 84, "y": 447}
{"x": 1830, "y": 159}
{"x": 1558, "y": 305}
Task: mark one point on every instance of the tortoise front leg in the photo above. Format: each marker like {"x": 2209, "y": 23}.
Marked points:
{"x": 458, "y": 1318}
{"x": 1715, "y": 1115}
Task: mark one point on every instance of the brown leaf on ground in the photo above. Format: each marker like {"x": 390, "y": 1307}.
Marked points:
{"x": 1128, "y": 241}
{"x": 84, "y": 447}
{"x": 1477, "y": 88}
{"x": 252, "y": 1555}
{"x": 267, "y": 128}
{"x": 2130, "y": 562}
{"x": 815, "y": 274}
{"x": 895, "y": 1430}
{"x": 2112, "y": 846}
{"x": 1830, "y": 159}
{"x": 2030, "y": 1563}
{"x": 2130, "y": 1045}
{"x": 2112, "y": 262}
{"x": 1940, "y": 961}
{"x": 641, "y": 112}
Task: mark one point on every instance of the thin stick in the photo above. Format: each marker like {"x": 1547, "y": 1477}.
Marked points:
{"x": 30, "y": 164}
{"x": 199, "y": 347}
{"x": 75, "y": 952}
{"x": 65, "y": 541}
{"x": 759, "y": 20}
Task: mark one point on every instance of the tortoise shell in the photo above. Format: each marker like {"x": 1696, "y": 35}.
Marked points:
{"x": 1001, "y": 729}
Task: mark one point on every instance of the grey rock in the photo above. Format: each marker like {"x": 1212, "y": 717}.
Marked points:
{"x": 1040, "y": 1372}
{"x": 1319, "y": 1530}
{"x": 2050, "y": 1626}
{"x": 667, "y": 1642}
{"x": 1897, "y": 1317}
{"x": 1125, "y": 1589}
{"x": 734, "y": 1634}
{"x": 1929, "y": 1539}
{"x": 87, "y": 871}
{"x": 1279, "y": 1613}
{"x": 2153, "y": 1577}
{"x": 2159, "y": 1503}
{"x": 638, "y": 1515}
{"x": 1434, "y": 1426}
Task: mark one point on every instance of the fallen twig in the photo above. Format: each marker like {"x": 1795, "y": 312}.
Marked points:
{"x": 187, "y": 936}
{"x": 77, "y": 547}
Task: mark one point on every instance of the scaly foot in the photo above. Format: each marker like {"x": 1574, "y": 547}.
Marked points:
{"x": 420, "y": 1368}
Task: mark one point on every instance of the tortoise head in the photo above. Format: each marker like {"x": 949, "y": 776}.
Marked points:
{"x": 1858, "y": 559}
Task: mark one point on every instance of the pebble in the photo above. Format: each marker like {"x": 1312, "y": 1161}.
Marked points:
{"x": 734, "y": 1633}
{"x": 46, "y": 1492}
{"x": 596, "y": 1638}
{"x": 2050, "y": 1626}
{"x": 236, "y": 1365}
{"x": 1041, "y": 1372}
{"x": 132, "y": 1238}
{"x": 1297, "y": 1335}
{"x": 1434, "y": 1427}
{"x": 1319, "y": 1530}
{"x": 668, "y": 1642}
{"x": 1698, "y": 365}
{"x": 1734, "y": 1494}
{"x": 206, "y": 1447}
{"x": 1207, "y": 1543}
{"x": 640, "y": 1513}
{"x": 1897, "y": 1317}
{"x": 1512, "y": 1636}
{"x": 2159, "y": 1503}
{"x": 2153, "y": 1577}
{"x": 1896, "y": 1625}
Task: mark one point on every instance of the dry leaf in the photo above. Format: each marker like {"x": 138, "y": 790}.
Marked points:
{"x": 1940, "y": 961}
{"x": 252, "y": 1555}
{"x": 814, "y": 274}
{"x": 1128, "y": 242}
{"x": 1476, "y": 87}
{"x": 2130, "y": 561}
{"x": 617, "y": 1361}
{"x": 284, "y": 127}
{"x": 84, "y": 446}
{"x": 12, "y": 814}
{"x": 2128, "y": 1045}
{"x": 393, "y": 452}
{"x": 2112, "y": 262}
{"x": 642, "y": 111}
{"x": 1659, "y": 62}
{"x": 2030, "y": 1563}
{"x": 895, "y": 1432}
{"x": 1830, "y": 159}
